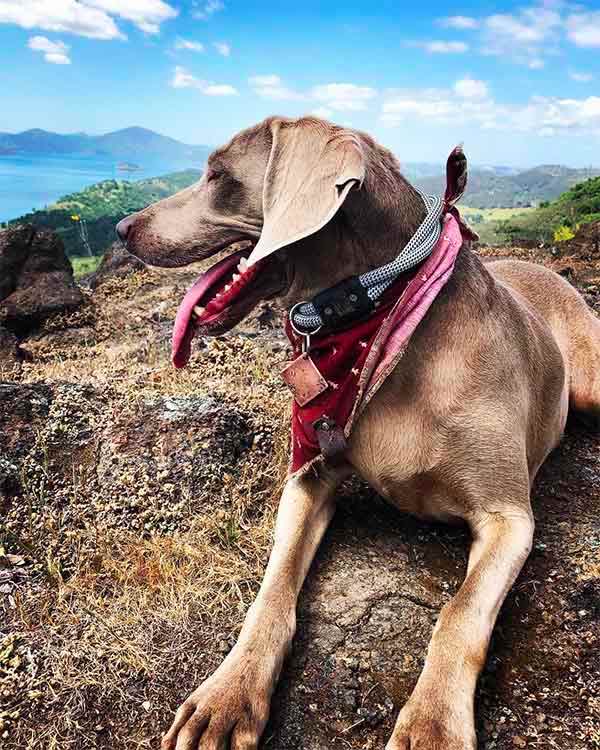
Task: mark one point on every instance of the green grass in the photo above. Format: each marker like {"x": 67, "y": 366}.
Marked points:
{"x": 85, "y": 265}
{"x": 577, "y": 206}
{"x": 485, "y": 221}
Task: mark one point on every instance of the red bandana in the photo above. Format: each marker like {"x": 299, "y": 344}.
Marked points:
{"x": 355, "y": 362}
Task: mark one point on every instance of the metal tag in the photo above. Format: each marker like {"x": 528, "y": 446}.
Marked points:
{"x": 304, "y": 379}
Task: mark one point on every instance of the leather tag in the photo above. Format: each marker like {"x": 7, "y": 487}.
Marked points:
{"x": 304, "y": 379}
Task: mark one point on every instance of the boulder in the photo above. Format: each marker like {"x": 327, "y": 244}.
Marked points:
{"x": 586, "y": 243}
{"x": 117, "y": 263}
{"x": 9, "y": 349}
{"x": 136, "y": 459}
{"x": 36, "y": 278}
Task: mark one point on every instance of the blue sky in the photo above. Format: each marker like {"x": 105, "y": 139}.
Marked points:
{"x": 518, "y": 83}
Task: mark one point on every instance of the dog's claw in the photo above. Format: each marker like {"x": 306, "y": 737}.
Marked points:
{"x": 227, "y": 705}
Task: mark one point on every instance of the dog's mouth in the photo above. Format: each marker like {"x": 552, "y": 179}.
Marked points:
{"x": 222, "y": 297}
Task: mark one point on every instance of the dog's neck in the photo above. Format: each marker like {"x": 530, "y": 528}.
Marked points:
{"x": 370, "y": 229}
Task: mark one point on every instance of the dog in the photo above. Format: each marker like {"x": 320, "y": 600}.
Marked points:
{"x": 456, "y": 432}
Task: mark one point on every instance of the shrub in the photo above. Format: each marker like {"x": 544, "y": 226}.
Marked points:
{"x": 563, "y": 233}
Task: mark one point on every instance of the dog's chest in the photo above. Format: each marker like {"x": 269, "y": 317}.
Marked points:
{"x": 399, "y": 448}
{"x": 422, "y": 496}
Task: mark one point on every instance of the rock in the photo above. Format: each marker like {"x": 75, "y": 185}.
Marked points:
{"x": 566, "y": 271}
{"x": 63, "y": 338}
{"x": 586, "y": 243}
{"x": 137, "y": 464}
{"x": 36, "y": 278}
{"x": 9, "y": 349}
{"x": 23, "y": 409}
{"x": 117, "y": 263}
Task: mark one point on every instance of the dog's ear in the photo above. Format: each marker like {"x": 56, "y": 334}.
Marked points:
{"x": 312, "y": 168}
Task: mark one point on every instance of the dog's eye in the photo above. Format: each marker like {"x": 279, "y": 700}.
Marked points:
{"x": 212, "y": 174}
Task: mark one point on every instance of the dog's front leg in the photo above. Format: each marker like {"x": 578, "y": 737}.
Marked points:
{"x": 231, "y": 708}
{"x": 439, "y": 713}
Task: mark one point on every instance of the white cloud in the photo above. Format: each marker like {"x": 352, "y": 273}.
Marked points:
{"x": 208, "y": 9}
{"x": 183, "y": 79}
{"x": 524, "y": 37}
{"x": 540, "y": 115}
{"x": 189, "y": 45}
{"x": 346, "y": 97}
{"x": 222, "y": 48}
{"x": 89, "y": 18}
{"x": 147, "y": 15}
{"x": 329, "y": 97}
{"x": 323, "y": 112}
{"x": 463, "y": 23}
{"x": 529, "y": 34}
{"x": 64, "y": 16}
{"x": 580, "y": 76}
{"x": 583, "y": 29}
{"x": 54, "y": 52}
{"x": 272, "y": 87}
{"x": 469, "y": 88}
{"x": 444, "y": 48}
{"x": 218, "y": 89}
{"x": 430, "y": 104}
{"x": 531, "y": 26}
{"x": 268, "y": 80}
{"x": 536, "y": 63}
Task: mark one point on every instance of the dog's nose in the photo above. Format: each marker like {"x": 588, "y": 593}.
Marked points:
{"x": 123, "y": 227}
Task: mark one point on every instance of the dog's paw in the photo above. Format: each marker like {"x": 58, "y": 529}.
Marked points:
{"x": 419, "y": 730}
{"x": 229, "y": 710}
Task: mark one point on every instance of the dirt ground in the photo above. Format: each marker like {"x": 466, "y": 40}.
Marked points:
{"x": 137, "y": 511}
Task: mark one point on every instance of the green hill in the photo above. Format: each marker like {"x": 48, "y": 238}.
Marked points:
{"x": 101, "y": 206}
{"x": 579, "y": 205}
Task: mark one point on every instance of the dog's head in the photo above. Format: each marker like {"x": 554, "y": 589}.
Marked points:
{"x": 272, "y": 185}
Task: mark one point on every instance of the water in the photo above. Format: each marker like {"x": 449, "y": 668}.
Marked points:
{"x": 30, "y": 182}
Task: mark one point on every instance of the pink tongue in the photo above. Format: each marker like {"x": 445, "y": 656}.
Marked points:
{"x": 183, "y": 329}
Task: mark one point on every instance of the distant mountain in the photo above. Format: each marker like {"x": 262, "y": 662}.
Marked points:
{"x": 128, "y": 143}
{"x": 417, "y": 170}
{"x": 501, "y": 187}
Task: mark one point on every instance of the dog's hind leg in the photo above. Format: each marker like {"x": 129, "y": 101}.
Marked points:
{"x": 231, "y": 708}
{"x": 440, "y": 713}
{"x": 585, "y": 367}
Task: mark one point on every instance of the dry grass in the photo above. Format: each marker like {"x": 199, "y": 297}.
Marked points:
{"x": 116, "y": 615}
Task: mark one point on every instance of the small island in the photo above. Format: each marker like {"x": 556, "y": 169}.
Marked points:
{"x": 127, "y": 166}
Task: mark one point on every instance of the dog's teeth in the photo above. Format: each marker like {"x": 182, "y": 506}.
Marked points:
{"x": 199, "y": 310}
{"x": 243, "y": 264}
{"x": 218, "y": 294}
{"x": 227, "y": 287}
{"x": 236, "y": 276}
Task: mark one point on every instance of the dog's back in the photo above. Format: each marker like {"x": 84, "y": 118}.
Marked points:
{"x": 575, "y": 327}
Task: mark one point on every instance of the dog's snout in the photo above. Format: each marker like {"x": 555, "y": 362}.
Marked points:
{"x": 124, "y": 226}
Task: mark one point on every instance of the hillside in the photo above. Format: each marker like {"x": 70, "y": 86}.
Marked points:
{"x": 496, "y": 188}
{"x": 579, "y": 205}
{"x": 101, "y": 206}
{"x": 126, "y": 143}
{"x": 138, "y": 507}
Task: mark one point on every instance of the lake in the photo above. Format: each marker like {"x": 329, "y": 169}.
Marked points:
{"x": 33, "y": 181}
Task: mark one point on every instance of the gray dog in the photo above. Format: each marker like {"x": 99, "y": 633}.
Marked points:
{"x": 457, "y": 430}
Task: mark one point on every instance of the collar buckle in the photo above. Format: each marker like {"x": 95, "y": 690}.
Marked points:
{"x": 343, "y": 304}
